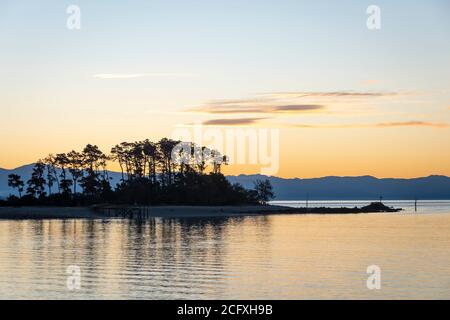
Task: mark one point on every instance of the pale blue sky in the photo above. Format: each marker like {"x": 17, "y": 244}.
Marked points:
{"x": 234, "y": 47}
{"x": 189, "y": 53}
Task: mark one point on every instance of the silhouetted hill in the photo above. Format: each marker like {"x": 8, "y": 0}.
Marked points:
{"x": 326, "y": 188}
{"x": 354, "y": 188}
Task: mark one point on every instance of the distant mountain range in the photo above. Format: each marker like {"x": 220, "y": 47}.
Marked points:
{"x": 354, "y": 188}
{"x": 326, "y": 188}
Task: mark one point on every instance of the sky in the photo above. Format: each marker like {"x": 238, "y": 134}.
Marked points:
{"x": 347, "y": 100}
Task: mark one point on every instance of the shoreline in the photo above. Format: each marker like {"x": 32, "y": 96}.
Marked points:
{"x": 105, "y": 212}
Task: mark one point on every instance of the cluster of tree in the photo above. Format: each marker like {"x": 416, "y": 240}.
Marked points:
{"x": 166, "y": 172}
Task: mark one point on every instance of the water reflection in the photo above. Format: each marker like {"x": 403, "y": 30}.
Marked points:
{"x": 238, "y": 257}
{"x": 152, "y": 258}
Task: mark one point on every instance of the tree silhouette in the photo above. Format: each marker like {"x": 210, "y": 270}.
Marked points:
{"x": 163, "y": 172}
{"x": 15, "y": 182}
{"x": 75, "y": 161}
{"x": 62, "y": 162}
{"x": 117, "y": 154}
{"x": 150, "y": 151}
{"x": 264, "y": 191}
{"x": 166, "y": 146}
{"x": 36, "y": 184}
{"x": 52, "y": 175}
{"x": 93, "y": 159}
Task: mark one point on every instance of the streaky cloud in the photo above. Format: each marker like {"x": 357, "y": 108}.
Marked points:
{"x": 413, "y": 124}
{"x": 303, "y": 94}
{"x": 284, "y": 102}
{"x": 231, "y": 122}
{"x": 231, "y": 110}
{"x": 297, "y": 107}
{"x": 376, "y": 125}
{"x": 266, "y": 109}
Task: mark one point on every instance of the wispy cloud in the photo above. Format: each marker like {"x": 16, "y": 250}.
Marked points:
{"x": 413, "y": 124}
{"x": 287, "y": 102}
{"x": 231, "y": 122}
{"x": 297, "y": 107}
{"x": 354, "y": 94}
{"x": 266, "y": 109}
{"x": 139, "y": 75}
{"x": 375, "y": 125}
{"x": 275, "y": 105}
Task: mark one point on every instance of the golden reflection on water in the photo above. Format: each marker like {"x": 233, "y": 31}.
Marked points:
{"x": 267, "y": 257}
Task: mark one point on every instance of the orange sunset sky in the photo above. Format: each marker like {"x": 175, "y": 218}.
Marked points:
{"x": 346, "y": 100}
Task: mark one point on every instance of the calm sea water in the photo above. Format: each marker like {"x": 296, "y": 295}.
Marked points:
{"x": 266, "y": 257}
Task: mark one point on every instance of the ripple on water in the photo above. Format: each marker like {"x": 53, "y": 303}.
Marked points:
{"x": 285, "y": 257}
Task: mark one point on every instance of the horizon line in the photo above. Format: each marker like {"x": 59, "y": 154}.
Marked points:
{"x": 290, "y": 178}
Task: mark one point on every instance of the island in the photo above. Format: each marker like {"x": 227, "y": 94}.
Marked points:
{"x": 168, "y": 178}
